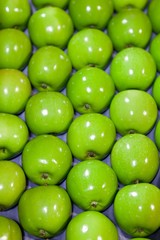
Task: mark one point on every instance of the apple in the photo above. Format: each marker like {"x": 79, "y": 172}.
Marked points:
{"x": 135, "y": 204}
{"x": 15, "y": 48}
{"x": 90, "y": 47}
{"x": 157, "y": 134}
{"x": 92, "y": 13}
{"x": 154, "y": 50}
{"x": 92, "y": 185}
{"x": 14, "y": 135}
{"x": 153, "y": 12}
{"x": 46, "y": 159}
{"x": 12, "y": 182}
{"x": 50, "y": 26}
{"x": 44, "y": 211}
{"x": 49, "y": 69}
{"x": 15, "y": 90}
{"x": 140, "y": 239}
{"x": 91, "y": 136}
{"x": 14, "y": 14}
{"x": 90, "y": 89}
{"x": 129, "y": 27}
{"x": 156, "y": 91}
{"x": 128, "y": 73}
{"x": 57, "y": 3}
{"x": 10, "y": 229}
{"x": 119, "y": 5}
{"x": 133, "y": 111}
{"x": 48, "y": 112}
{"x": 135, "y": 158}
{"x": 91, "y": 225}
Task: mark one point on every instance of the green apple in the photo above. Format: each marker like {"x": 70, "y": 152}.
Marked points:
{"x": 128, "y": 73}
{"x": 14, "y": 135}
{"x": 135, "y": 158}
{"x": 153, "y": 12}
{"x": 91, "y": 225}
{"x": 50, "y": 26}
{"x": 15, "y": 48}
{"x": 140, "y": 239}
{"x": 157, "y": 134}
{"x": 57, "y": 3}
{"x": 137, "y": 209}
{"x": 90, "y": 47}
{"x": 119, "y": 4}
{"x": 48, "y": 112}
{"x": 14, "y": 14}
{"x": 15, "y": 90}
{"x": 46, "y": 159}
{"x": 90, "y": 89}
{"x": 133, "y": 111}
{"x": 91, "y": 136}
{"x": 154, "y": 50}
{"x": 12, "y": 182}
{"x": 129, "y": 27}
{"x": 92, "y": 185}
{"x": 10, "y": 229}
{"x": 44, "y": 211}
{"x": 49, "y": 69}
{"x": 92, "y": 13}
{"x": 156, "y": 91}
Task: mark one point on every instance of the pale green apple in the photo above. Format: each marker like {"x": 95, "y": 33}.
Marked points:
{"x": 14, "y": 14}
{"x": 10, "y": 229}
{"x": 90, "y": 89}
{"x": 48, "y": 112}
{"x": 154, "y": 50}
{"x": 15, "y": 90}
{"x": 153, "y": 12}
{"x": 91, "y": 225}
{"x": 156, "y": 91}
{"x": 129, "y": 73}
{"x": 135, "y": 158}
{"x": 49, "y": 69}
{"x": 133, "y": 111}
{"x": 46, "y": 160}
{"x": 57, "y": 3}
{"x": 12, "y": 182}
{"x": 91, "y": 136}
{"x": 50, "y": 26}
{"x": 129, "y": 27}
{"x": 14, "y": 135}
{"x": 44, "y": 211}
{"x": 137, "y": 209}
{"x": 92, "y": 185}
{"x": 92, "y": 13}
{"x": 90, "y": 47}
{"x": 119, "y": 4}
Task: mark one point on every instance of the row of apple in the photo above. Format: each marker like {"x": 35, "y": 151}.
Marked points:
{"x": 54, "y": 68}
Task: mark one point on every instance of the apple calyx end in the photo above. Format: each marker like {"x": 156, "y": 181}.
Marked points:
{"x": 94, "y": 204}
{"x": 42, "y": 233}
{"x": 45, "y": 176}
{"x": 44, "y": 86}
{"x": 91, "y": 155}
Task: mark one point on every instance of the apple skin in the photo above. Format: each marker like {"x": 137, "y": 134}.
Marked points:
{"x": 91, "y": 136}
{"x": 92, "y": 13}
{"x": 156, "y": 91}
{"x": 140, "y": 239}
{"x": 129, "y": 27}
{"x": 142, "y": 202}
{"x": 119, "y": 5}
{"x": 153, "y": 12}
{"x": 50, "y": 26}
{"x": 154, "y": 50}
{"x": 57, "y": 3}
{"x": 10, "y": 229}
{"x": 48, "y": 112}
{"x": 91, "y": 225}
{"x": 14, "y": 14}
{"x": 90, "y": 89}
{"x": 157, "y": 134}
{"x": 92, "y": 185}
{"x": 44, "y": 211}
{"x": 15, "y": 48}
{"x": 14, "y": 135}
{"x": 133, "y": 111}
{"x": 12, "y": 182}
{"x": 135, "y": 158}
{"x": 46, "y": 160}
{"x": 15, "y": 90}
{"x": 49, "y": 69}
{"x": 94, "y": 44}
{"x": 128, "y": 73}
